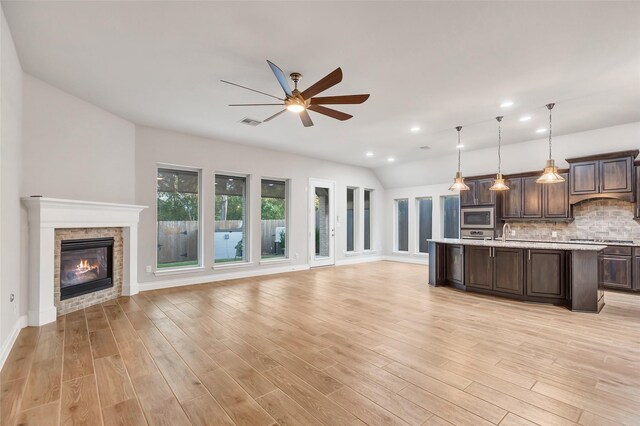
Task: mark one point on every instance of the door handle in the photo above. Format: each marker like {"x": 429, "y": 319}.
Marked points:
{"x": 529, "y": 252}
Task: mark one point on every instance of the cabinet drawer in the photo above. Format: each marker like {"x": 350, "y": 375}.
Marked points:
{"x": 618, "y": 251}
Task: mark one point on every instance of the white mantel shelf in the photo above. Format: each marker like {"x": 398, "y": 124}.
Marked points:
{"x": 48, "y": 214}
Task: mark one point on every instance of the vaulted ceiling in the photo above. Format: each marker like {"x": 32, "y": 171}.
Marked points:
{"x": 429, "y": 64}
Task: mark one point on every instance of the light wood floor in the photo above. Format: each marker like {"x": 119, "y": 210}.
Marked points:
{"x": 352, "y": 345}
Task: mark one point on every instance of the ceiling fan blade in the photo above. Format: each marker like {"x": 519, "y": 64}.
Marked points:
{"x": 248, "y": 88}
{"x": 338, "y": 115}
{"x": 274, "y": 116}
{"x": 253, "y": 104}
{"x": 346, "y": 99}
{"x": 330, "y": 80}
{"x": 281, "y": 78}
{"x": 306, "y": 120}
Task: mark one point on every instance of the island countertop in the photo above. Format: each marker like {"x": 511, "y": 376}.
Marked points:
{"x": 520, "y": 244}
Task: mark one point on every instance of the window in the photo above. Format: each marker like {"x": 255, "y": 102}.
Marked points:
{"x": 367, "y": 219}
{"x": 451, "y": 215}
{"x": 273, "y": 218}
{"x": 351, "y": 219}
{"x": 178, "y": 218}
{"x": 230, "y": 242}
{"x": 402, "y": 225}
{"x": 424, "y": 210}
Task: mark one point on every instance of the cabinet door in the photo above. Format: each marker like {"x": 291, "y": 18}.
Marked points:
{"x": 455, "y": 264}
{"x": 615, "y": 175}
{"x": 636, "y": 273}
{"x": 531, "y": 197}
{"x": 512, "y": 199}
{"x": 615, "y": 271}
{"x": 478, "y": 267}
{"x": 546, "y": 273}
{"x": 508, "y": 270}
{"x": 556, "y": 199}
{"x": 585, "y": 178}
{"x": 484, "y": 196}
{"x": 468, "y": 198}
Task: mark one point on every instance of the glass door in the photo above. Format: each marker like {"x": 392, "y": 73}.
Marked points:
{"x": 321, "y": 223}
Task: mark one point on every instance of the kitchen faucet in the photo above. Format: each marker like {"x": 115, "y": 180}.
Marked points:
{"x": 504, "y": 232}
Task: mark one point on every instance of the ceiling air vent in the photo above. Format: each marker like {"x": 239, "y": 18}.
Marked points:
{"x": 426, "y": 147}
{"x": 250, "y": 121}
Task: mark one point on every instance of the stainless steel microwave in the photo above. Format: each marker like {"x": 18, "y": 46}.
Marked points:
{"x": 477, "y": 217}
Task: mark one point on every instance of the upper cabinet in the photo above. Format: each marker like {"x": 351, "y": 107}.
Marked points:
{"x": 636, "y": 214}
{"x": 603, "y": 176}
{"x": 478, "y": 193}
{"x": 529, "y": 200}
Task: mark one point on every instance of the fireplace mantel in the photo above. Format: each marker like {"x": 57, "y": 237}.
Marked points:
{"x": 47, "y": 214}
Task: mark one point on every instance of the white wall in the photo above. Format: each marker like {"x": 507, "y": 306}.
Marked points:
{"x": 155, "y": 146}
{"x": 73, "y": 149}
{"x": 437, "y": 175}
{"x": 10, "y": 185}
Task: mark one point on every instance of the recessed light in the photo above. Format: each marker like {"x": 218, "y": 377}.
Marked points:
{"x": 415, "y": 129}
{"x": 525, "y": 118}
{"x": 391, "y": 159}
{"x": 369, "y": 154}
{"x": 460, "y": 146}
{"x": 506, "y": 104}
{"x": 230, "y": 180}
{"x": 541, "y": 130}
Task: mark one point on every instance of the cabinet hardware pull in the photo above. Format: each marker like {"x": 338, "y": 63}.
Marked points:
{"x": 529, "y": 254}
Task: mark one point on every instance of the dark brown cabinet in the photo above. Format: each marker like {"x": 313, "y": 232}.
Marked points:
{"x": 455, "y": 264}
{"x": 607, "y": 175}
{"x": 556, "y": 199}
{"x": 636, "y": 272}
{"x": 546, "y": 274}
{"x": 498, "y": 269}
{"x": 616, "y": 267}
{"x": 478, "y": 193}
{"x": 527, "y": 199}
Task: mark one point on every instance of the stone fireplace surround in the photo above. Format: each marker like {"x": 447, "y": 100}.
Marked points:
{"x": 46, "y": 215}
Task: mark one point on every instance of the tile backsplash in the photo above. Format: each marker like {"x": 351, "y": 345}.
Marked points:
{"x": 594, "y": 219}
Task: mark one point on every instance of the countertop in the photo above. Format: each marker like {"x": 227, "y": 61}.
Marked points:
{"x": 584, "y": 242}
{"x": 548, "y": 245}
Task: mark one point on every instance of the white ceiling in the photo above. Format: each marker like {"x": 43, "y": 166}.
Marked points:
{"x": 435, "y": 65}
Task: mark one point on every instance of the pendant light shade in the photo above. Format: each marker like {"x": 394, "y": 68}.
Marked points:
{"x": 458, "y": 182}
{"x": 550, "y": 173}
{"x": 498, "y": 182}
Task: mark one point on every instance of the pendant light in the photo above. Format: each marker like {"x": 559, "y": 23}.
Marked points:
{"x": 498, "y": 183}
{"x": 458, "y": 182}
{"x": 550, "y": 174}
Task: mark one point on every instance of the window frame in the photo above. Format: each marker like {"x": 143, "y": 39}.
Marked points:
{"x": 247, "y": 221}
{"x": 287, "y": 212}
{"x": 418, "y": 223}
{"x": 356, "y": 221}
{"x": 364, "y": 222}
{"x": 201, "y": 226}
{"x": 396, "y": 235}
{"x": 443, "y": 212}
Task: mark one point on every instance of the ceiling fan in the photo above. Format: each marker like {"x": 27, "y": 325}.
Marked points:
{"x": 299, "y": 102}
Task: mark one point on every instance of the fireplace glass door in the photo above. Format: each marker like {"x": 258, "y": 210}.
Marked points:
{"x": 85, "y": 266}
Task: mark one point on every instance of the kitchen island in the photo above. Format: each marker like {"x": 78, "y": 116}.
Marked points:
{"x": 542, "y": 272}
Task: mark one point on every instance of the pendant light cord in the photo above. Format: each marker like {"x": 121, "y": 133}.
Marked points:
{"x": 550, "y": 107}
{"x": 458, "y": 146}
{"x": 499, "y": 145}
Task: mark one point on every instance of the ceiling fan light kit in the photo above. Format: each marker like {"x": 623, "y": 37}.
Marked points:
{"x": 550, "y": 173}
{"x": 301, "y": 102}
{"x": 458, "y": 181}
{"x": 498, "y": 182}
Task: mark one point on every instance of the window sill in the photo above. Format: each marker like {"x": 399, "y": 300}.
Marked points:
{"x": 352, "y": 253}
{"x": 400, "y": 253}
{"x": 163, "y": 272}
{"x": 275, "y": 261}
{"x": 418, "y": 254}
{"x": 231, "y": 266}
{"x": 367, "y": 252}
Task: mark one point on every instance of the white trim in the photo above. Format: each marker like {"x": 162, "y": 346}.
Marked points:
{"x": 360, "y": 259}
{"x": 312, "y": 258}
{"x": 176, "y": 271}
{"x": 275, "y": 260}
{"x": 400, "y": 253}
{"x": 231, "y": 265}
{"x": 203, "y": 279}
{"x": 7, "y": 345}
{"x": 407, "y": 259}
{"x": 352, "y": 253}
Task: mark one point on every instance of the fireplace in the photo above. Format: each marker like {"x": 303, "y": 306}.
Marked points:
{"x": 85, "y": 266}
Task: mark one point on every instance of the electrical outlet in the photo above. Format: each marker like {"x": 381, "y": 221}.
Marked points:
{"x": 554, "y": 234}
{"x": 513, "y": 233}
{"x": 148, "y": 268}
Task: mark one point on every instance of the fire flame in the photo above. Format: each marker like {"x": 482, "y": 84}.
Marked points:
{"x": 85, "y": 266}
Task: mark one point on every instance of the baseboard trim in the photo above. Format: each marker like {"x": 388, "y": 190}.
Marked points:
{"x": 7, "y": 345}
{"x": 203, "y": 279}
{"x": 359, "y": 259}
{"x": 407, "y": 259}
